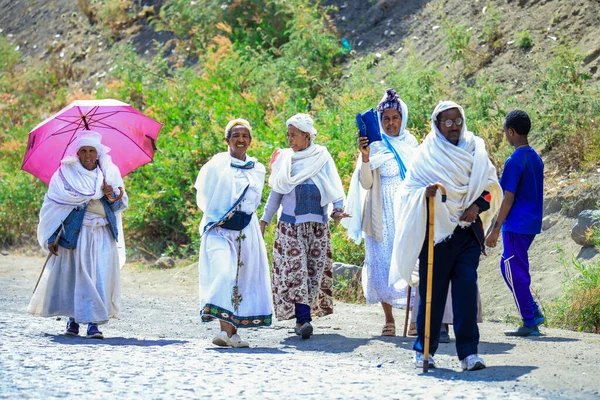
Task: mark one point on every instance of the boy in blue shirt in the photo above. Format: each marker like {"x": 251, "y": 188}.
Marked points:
{"x": 520, "y": 217}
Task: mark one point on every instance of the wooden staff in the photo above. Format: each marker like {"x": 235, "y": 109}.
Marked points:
{"x": 407, "y": 311}
{"x": 430, "y": 276}
{"x": 47, "y": 259}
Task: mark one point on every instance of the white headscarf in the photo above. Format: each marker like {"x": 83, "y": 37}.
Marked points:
{"x": 72, "y": 186}
{"x": 290, "y": 168}
{"x": 464, "y": 169}
{"x": 404, "y": 144}
{"x": 235, "y": 122}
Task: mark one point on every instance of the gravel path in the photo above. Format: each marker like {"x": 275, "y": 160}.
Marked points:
{"x": 159, "y": 349}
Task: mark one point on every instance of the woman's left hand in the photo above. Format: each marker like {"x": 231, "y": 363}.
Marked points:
{"x": 338, "y": 215}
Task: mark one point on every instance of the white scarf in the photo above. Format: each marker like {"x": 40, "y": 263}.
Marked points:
{"x": 404, "y": 144}
{"x": 464, "y": 169}
{"x": 216, "y": 188}
{"x": 72, "y": 186}
{"x": 292, "y": 168}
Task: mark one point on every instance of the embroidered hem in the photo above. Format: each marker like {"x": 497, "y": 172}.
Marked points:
{"x": 210, "y": 312}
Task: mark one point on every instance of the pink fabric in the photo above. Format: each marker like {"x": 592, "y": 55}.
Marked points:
{"x": 129, "y": 134}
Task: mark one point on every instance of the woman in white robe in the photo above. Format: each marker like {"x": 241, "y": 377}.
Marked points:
{"x": 379, "y": 172}
{"x": 81, "y": 280}
{"x": 234, "y": 279}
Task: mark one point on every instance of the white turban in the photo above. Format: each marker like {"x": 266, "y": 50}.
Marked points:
{"x": 303, "y": 122}
{"x": 91, "y": 139}
{"x": 235, "y": 122}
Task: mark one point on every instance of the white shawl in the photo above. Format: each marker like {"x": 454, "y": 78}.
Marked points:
{"x": 215, "y": 185}
{"x": 292, "y": 168}
{"x": 72, "y": 186}
{"x": 404, "y": 144}
{"x": 464, "y": 169}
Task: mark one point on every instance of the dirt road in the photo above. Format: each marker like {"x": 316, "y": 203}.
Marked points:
{"x": 158, "y": 349}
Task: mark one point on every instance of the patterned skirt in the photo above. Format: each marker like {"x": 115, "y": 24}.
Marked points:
{"x": 302, "y": 269}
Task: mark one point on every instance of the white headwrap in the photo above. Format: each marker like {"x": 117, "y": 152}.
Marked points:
{"x": 235, "y": 122}
{"x": 290, "y": 168}
{"x": 72, "y": 185}
{"x": 464, "y": 169}
{"x": 305, "y": 123}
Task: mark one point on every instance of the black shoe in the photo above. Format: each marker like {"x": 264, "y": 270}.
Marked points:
{"x": 524, "y": 331}
{"x": 72, "y": 328}
{"x": 305, "y": 330}
{"x": 444, "y": 337}
{"x": 93, "y": 332}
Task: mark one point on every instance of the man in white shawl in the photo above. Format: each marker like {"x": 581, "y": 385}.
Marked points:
{"x": 80, "y": 208}
{"x": 378, "y": 175}
{"x": 455, "y": 157}
{"x": 233, "y": 267}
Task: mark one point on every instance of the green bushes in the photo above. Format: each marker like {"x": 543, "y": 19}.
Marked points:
{"x": 524, "y": 40}
{"x": 578, "y": 307}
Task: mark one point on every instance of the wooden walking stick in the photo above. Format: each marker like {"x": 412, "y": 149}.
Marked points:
{"x": 47, "y": 259}
{"x": 430, "y": 276}
{"x": 407, "y": 311}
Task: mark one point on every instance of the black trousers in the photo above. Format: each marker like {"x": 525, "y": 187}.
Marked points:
{"x": 455, "y": 260}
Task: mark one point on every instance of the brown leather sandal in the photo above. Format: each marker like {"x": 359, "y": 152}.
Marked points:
{"x": 412, "y": 329}
{"x": 389, "y": 329}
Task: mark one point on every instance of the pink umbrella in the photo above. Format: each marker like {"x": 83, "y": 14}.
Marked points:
{"x": 130, "y": 135}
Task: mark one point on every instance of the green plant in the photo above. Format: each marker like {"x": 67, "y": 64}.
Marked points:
{"x": 8, "y": 56}
{"x": 348, "y": 288}
{"x": 491, "y": 33}
{"x": 524, "y": 40}
{"x": 578, "y": 306}
{"x": 458, "y": 41}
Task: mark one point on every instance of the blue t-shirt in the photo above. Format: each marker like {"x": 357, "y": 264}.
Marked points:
{"x": 523, "y": 175}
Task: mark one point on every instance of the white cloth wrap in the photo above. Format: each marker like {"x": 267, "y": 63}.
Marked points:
{"x": 83, "y": 283}
{"x": 216, "y": 187}
{"x": 80, "y": 187}
{"x": 292, "y": 168}
{"x": 219, "y": 185}
{"x": 464, "y": 169}
{"x": 404, "y": 144}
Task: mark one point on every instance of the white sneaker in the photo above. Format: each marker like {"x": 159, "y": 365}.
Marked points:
{"x": 472, "y": 363}
{"x": 222, "y": 339}
{"x": 236, "y": 341}
{"x": 420, "y": 357}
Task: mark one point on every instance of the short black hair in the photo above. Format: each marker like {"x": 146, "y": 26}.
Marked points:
{"x": 519, "y": 121}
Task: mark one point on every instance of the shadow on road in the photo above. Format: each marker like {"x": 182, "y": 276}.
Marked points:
{"x": 483, "y": 348}
{"x": 328, "y": 342}
{"x": 248, "y": 350}
{"x": 545, "y": 338}
{"x": 500, "y": 373}
{"x": 113, "y": 341}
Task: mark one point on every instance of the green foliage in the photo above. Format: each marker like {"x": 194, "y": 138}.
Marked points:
{"x": 568, "y": 109}
{"x": 348, "y": 288}
{"x": 578, "y": 307}
{"x": 492, "y": 34}
{"x": 524, "y": 40}
{"x": 457, "y": 37}
{"x": 9, "y": 56}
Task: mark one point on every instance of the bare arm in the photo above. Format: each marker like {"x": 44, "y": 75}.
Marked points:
{"x": 507, "y": 203}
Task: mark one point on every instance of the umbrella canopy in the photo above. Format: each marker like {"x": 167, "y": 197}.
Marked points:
{"x": 130, "y": 135}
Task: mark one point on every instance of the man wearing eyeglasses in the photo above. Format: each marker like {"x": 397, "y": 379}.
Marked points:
{"x": 456, "y": 158}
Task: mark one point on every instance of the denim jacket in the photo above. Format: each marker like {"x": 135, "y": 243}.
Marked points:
{"x": 72, "y": 224}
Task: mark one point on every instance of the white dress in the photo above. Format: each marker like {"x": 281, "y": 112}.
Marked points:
{"x": 83, "y": 283}
{"x": 218, "y": 265}
{"x": 378, "y": 255}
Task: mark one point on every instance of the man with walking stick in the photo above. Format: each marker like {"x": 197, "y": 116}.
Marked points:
{"x": 454, "y": 159}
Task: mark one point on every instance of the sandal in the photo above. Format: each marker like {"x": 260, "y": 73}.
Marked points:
{"x": 412, "y": 329}
{"x": 389, "y": 329}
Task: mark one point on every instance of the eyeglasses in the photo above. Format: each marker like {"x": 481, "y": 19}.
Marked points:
{"x": 458, "y": 121}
